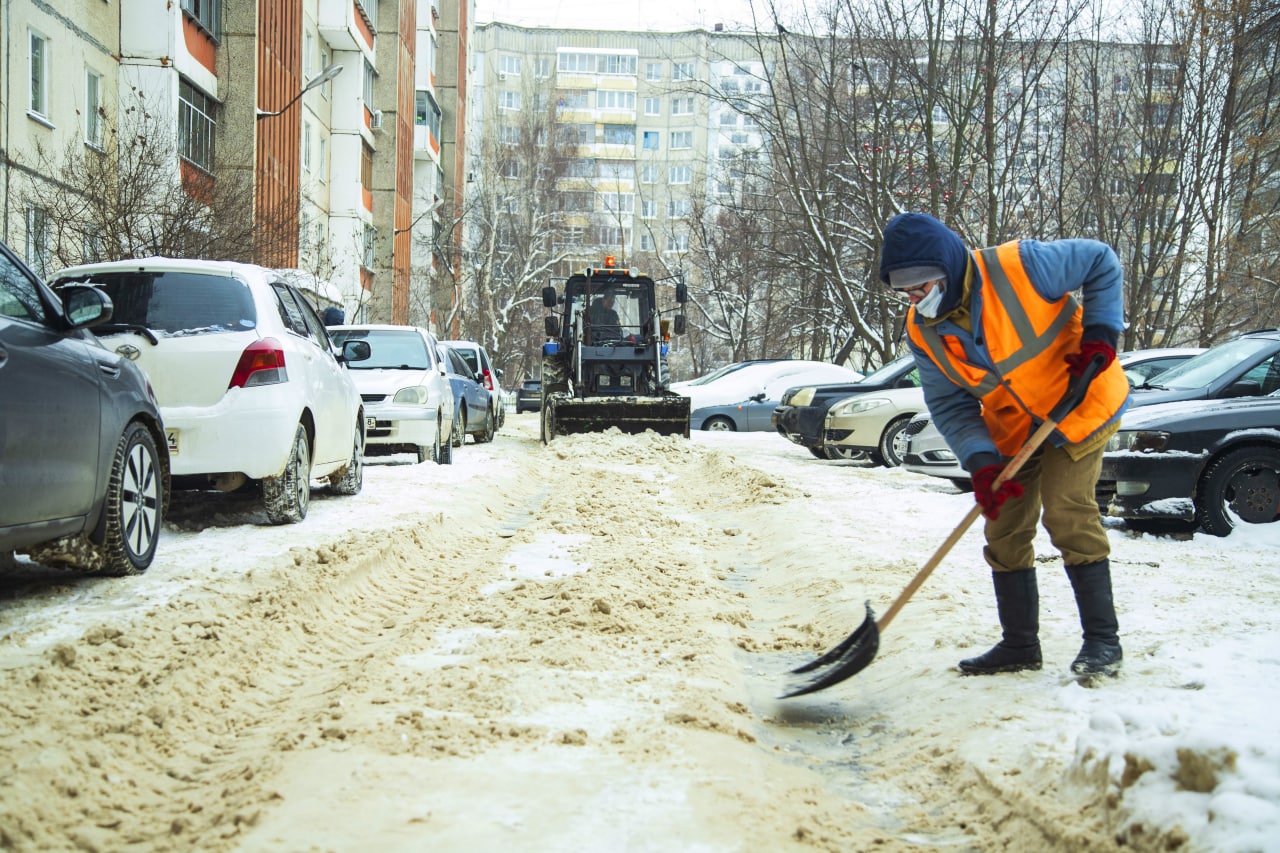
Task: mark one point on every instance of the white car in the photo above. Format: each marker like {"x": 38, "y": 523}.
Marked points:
{"x": 489, "y": 377}
{"x": 408, "y": 404}
{"x": 249, "y": 385}
{"x": 874, "y": 423}
{"x": 745, "y": 380}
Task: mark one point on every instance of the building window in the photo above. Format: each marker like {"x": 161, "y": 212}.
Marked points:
{"x": 509, "y": 168}
{"x": 573, "y": 99}
{"x": 308, "y": 48}
{"x": 370, "y": 10}
{"x": 682, "y": 139}
{"x": 653, "y": 71}
{"x": 648, "y": 209}
{"x": 607, "y": 99}
{"x": 38, "y": 241}
{"x": 306, "y": 147}
{"x": 677, "y": 242}
{"x": 542, "y": 68}
{"x": 617, "y": 64}
{"x": 509, "y": 134}
{"x": 680, "y": 175}
{"x": 426, "y": 113}
{"x": 650, "y": 140}
{"x": 618, "y": 202}
{"x": 370, "y": 238}
{"x": 93, "y": 108}
{"x": 206, "y": 13}
{"x": 322, "y": 161}
{"x": 653, "y": 106}
{"x": 682, "y": 71}
{"x": 646, "y": 242}
{"x": 370, "y": 78}
{"x": 648, "y": 174}
{"x": 509, "y": 65}
{"x": 682, "y": 106}
{"x": 39, "y": 68}
{"x": 581, "y": 63}
{"x": 679, "y": 208}
{"x": 197, "y": 123}
{"x": 509, "y": 100}
{"x": 619, "y": 134}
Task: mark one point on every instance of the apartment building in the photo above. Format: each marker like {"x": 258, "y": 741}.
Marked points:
{"x": 307, "y": 108}
{"x": 649, "y": 120}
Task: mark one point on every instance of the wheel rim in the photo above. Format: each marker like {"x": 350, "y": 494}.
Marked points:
{"x": 140, "y": 500}
{"x": 302, "y": 473}
{"x": 1253, "y": 494}
{"x": 897, "y": 445}
{"x": 718, "y": 425}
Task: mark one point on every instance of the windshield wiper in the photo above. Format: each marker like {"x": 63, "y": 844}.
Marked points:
{"x": 127, "y": 327}
{"x": 1147, "y": 386}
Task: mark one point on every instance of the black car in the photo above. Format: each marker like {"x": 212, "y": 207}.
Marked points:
{"x": 84, "y": 467}
{"x": 1210, "y": 462}
{"x": 529, "y": 396}
{"x": 801, "y": 414}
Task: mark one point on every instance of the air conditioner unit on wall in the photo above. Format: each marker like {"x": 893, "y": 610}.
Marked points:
{"x": 375, "y": 120}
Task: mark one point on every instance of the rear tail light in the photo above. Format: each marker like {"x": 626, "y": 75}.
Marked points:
{"x": 261, "y": 363}
{"x": 488, "y": 380}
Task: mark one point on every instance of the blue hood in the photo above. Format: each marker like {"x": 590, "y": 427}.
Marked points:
{"x": 912, "y": 239}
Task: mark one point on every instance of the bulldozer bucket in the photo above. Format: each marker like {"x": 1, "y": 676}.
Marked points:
{"x": 633, "y": 415}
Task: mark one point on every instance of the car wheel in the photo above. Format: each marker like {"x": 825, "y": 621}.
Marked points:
{"x": 442, "y": 450}
{"x": 459, "y": 433}
{"x": 835, "y": 452}
{"x": 1244, "y": 482}
{"x": 133, "y": 506}
{"x": 818, "y": 452}
{"x": 485, "y": 435}
{"x": 893, "y": 443}
{"x": 351, "y": 479}
{"x": 422, "y": 452}
{"x": 719, "y": 424}
{"x": 286, "y": 497}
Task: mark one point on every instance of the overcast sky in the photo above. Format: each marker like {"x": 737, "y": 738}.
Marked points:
{"x": 617, "y": 14}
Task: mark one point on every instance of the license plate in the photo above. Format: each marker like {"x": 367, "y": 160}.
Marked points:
{"x": 370, "y": 423}
{"x": 171, "y": 436}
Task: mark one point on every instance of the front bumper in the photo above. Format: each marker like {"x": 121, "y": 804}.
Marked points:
{"x": 803, "y": 425}
{"x": 387, "y": 423}
{"x": 1150, "y": 485}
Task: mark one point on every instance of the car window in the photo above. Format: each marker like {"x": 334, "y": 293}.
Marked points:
{"x": 1266, "y": 374}
{"x": 469, "y": 356}
{"x": 884, "y": 374}
{"x": 177, "y": 303}
{"x": 19, "y": 296}
{"x": 314, "y": 324}
{"x": 290, "y": 314}
{"x": 389, "y": 349}
{"x": 1214, "y": 363}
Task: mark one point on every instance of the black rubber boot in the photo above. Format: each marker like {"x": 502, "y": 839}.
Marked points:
{"x": 1101, "y": 653}
{"x": 1018, "y": 603}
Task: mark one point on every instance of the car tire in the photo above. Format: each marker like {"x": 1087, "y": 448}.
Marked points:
{"x": 442, "y": 451}
{"x": 485, "y": 435}
{"x": 287, "y": 496}
{"x": 350, "y": 480}
{"x": 892, "y": 444}
{"x": 423, "y": 453}
{"x": 836, "y": 453}
{"x": 719, "y": 424}
{"x": 459, "y": 434}
{"x": 819, "y": 452}
{"x": 1245, "y": 482}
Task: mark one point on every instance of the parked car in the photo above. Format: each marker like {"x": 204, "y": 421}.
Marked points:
{"x": 472, "y": 408}
{"x": 873, "y": 423}
{"x": 529, "y": 396}
{"x": 408, "y": 402}
{"x": 250, "y": 387}
{"x": 801, "y": 413}
{"x": 753, "y": 415}
{"x": 768, "y": 377}
{"x": 84, "y": 471}
{"x": 489, "y": 376}
{"x": 1214, "y": 463}
{"x": 927, "y": 452}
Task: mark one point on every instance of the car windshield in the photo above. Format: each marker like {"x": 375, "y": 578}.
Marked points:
{"x": 388, "y": 350}
{"x": 716, "y": 374}
{"x": 173, "y": 303}
{"x": 883, "y": 374}
{"x": 1214, "y": 363}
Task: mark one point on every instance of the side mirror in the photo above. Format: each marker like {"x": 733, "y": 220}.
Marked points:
{"x": 551, "y": 326}
{"x": 682, "y": 292}
{"x": 549, "y": 296}
{"x": 356, "y": 350}
{"x": 1243, "y": 388}
{"x": 679, "y": 324}
{"x": 757, "y": 398}
{"x": 85, "y": 306}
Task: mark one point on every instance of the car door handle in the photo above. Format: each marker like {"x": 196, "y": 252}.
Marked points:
{"x": 111, "y": 371}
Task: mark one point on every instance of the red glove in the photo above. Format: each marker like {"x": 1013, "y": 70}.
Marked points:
{"x": 1078, "y": 361}
{"x": 992, "y": 500}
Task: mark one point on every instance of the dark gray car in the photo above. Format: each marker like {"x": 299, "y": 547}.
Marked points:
{"x": 84, "y": 468}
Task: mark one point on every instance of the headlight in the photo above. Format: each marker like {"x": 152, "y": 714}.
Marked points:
{"x": 857, "y": 404}
{"x": 1139, "y": 441}
{"x": 803, "y": 397}
{"x": 414, "y": 395}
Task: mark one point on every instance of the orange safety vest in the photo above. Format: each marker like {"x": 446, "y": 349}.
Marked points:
{"x": 1027, "y": 339}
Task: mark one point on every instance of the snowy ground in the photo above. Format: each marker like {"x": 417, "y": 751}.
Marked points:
{"x": 581, "y": 647}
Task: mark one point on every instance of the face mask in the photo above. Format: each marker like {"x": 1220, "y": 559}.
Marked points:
{"x": 930, "y": 304}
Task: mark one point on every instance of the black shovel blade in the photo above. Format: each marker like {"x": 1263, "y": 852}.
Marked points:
{"x": 850, "y": 657}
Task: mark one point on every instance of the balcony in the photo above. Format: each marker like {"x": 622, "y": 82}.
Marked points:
{"x": 345, "y": 25}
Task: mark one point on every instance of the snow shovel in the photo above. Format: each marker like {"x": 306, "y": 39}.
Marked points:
{"x": 856, "y": 651}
